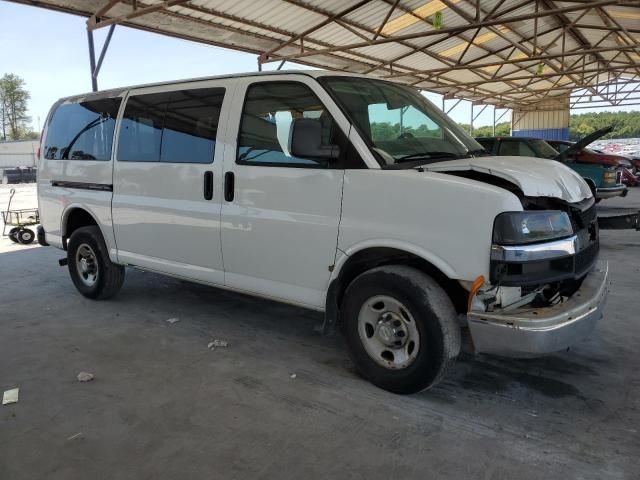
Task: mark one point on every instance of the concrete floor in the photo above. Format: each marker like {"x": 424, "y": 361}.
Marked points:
{"x": 163, "y": 406}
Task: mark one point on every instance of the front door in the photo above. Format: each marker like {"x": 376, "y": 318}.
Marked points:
{"x": 167, "y": 174}
{"x": 281, "y": 215}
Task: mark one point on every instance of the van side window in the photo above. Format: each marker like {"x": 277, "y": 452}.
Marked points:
{"x": 269, "y": 110}
{"x": 82, "y": 131}
{"x": 191, "y": 125}
{"x": 141, "y": 128}
{"x": 172, "y": 127}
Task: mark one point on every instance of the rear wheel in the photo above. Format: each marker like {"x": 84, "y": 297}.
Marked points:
{"x": 91, "y": 270}
{"x": 25, "y": 236}
{"x": 401, "y": 328}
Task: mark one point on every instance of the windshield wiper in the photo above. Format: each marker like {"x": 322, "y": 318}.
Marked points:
{"x": 427, "y": 156}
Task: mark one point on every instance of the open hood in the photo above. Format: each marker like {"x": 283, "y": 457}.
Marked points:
{"x": 580, "y": 144}
{"x": 536, "y": 177}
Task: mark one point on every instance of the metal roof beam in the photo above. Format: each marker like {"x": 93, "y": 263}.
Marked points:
{"x": 386, "y": 19}
{"x": 534, "y": 58}
{"x": 495, "y": 30}
{"x": 316, "y": 27}
{"x": 108, "y": 6}
{"x": 604, "y": 27}
{"x": 456, "y": 29}
{"x": 94, "y": 23}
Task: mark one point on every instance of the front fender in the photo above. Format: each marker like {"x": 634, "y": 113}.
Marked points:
{"x": 437, "y": 261}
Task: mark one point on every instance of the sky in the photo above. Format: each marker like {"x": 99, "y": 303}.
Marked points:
{"x": 53, "y": 59}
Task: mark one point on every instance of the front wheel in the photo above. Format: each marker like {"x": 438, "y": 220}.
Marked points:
{"x": 401, "y": 328}
{"x": 91, "y": 270}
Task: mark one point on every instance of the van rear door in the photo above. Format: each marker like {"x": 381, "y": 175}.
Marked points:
{"x": 166, "y": 200}
{"x": 75, "y": 168}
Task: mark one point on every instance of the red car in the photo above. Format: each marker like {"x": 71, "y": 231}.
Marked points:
{"x": 581, "y": 154}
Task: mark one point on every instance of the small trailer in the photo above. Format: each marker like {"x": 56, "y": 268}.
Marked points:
{"x": 19, "y": 220}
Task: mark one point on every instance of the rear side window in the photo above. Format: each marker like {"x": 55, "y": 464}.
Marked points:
{"x": 141, "y": 128}
{"x": 172, "y": 127}
{"x": 82, "y": 131}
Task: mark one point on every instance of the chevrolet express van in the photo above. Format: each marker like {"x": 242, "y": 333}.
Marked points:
{"x": 341, "y": 193}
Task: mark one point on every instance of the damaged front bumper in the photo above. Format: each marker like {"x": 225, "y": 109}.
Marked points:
{"x": 530, "y": 332}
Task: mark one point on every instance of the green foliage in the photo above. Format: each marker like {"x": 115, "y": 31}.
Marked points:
{"x": 625, "y": 124}
{"x": 381, "y": 131}
{"x": 14, "y": 121}
{"x": 30, "y": 135}
{"x": 502, "y": 129}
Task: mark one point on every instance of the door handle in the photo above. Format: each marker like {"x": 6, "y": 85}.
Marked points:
{"x": 229, "y": 186}
{"x": 208, "y": 185}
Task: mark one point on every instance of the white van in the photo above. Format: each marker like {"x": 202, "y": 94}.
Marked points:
{"x": 340, "y": 193}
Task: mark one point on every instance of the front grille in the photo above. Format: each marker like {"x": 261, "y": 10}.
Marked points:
{"x": 571, "y": 267}
{"x": 587, "y": 217}
{"x": 588, "y": 245}
{"x": 585, "y": 259}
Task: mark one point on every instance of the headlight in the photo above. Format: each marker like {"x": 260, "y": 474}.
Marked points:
{"x": 609, "y": 176}
{"x": 514, "y": 228}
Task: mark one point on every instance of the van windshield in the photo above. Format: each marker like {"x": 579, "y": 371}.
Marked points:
{"x": 402, "y": 128}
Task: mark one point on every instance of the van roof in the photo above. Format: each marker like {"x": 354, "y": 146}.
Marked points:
{"x": 117, "y": 91}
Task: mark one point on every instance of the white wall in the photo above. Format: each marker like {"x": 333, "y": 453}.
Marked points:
{"x": 18, "y": 154}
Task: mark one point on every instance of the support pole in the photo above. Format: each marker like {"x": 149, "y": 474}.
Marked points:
{"x": 494, "y": 122}
{"x": 96, "y": 71}
{"x": 92, "y": 61}
{"x": 471, "y": 123}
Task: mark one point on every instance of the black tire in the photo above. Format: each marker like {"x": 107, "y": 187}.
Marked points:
{"x": 25, "y": 236}
{"x": 429, "y": 308}
{"x": 13, "y": 234}
{"x": 109, "y": 276}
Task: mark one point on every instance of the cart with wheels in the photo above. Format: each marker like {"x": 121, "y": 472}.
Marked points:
{"x": 20, "y": 220}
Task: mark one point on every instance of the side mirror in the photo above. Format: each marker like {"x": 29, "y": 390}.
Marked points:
{"x": 306, "y": 140}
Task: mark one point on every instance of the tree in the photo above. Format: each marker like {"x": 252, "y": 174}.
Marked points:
{"x": 502, "y": 129}
{"x": 13, "y": 106}
{"x": 625, "y": 124}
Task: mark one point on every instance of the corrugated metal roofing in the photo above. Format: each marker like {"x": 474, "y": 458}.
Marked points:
{"x": 506, "y": 52}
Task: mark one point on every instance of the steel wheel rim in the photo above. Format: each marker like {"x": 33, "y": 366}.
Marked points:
{"x": 388, "y": 332}
{"x": 87, "y": 265}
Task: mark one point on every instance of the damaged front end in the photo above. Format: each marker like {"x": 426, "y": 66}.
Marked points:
{"x": 546, "y": 288}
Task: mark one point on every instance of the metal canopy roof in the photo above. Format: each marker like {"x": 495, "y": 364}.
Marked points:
{"x": 510, "y": 53}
